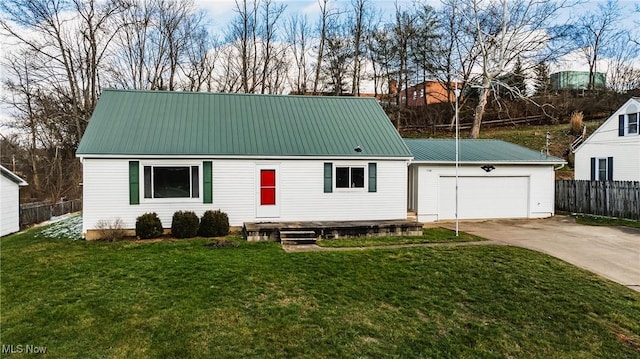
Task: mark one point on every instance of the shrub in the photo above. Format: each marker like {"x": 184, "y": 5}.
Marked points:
{"x": 148, "y": 226}
{"x": 214, "y": 224}
{"x": 184, "y": 224}
{"x": 111, "y": 230}
{"x": 576, "y": 122}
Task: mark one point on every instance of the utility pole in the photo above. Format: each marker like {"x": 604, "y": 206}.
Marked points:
{"x": 548, "y": 142}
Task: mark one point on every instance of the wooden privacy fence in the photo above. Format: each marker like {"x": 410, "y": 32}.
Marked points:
{"x": 32, "y": 213}
{"x": 619, "y": 199}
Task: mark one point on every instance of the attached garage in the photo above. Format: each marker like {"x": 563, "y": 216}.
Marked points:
{"x": 496, "y": 179}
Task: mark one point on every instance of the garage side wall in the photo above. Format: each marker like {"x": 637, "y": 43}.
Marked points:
{"x": 527, "y": 191}
{"x": 9, "y": 206}
{"x": 299, "y": 192}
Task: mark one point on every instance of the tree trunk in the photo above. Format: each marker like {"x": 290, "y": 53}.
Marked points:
{"x": 479, "y": 111}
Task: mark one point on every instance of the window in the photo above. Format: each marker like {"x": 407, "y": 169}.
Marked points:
{"x": 602, "y": 169}
{"x": 415, "y": 94}
{"x": 171, "y": 182}
{"x": 632, "y": 124}
{"x": 629, "y": 124}
{"x": 267, "y": 187}
{"x": 349, "y": 177}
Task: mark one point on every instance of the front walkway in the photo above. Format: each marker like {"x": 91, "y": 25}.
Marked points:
{"x": 317, "y": 248}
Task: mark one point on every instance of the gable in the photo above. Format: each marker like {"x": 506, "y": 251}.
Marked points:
{"x": 608, "y": 133}
{"x": 189, "y": 123}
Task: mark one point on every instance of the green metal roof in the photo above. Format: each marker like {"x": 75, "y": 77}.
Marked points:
{"x": 196, "y": 123}
{"x": 491, "y": 151}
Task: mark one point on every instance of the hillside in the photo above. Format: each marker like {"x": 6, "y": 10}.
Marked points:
{"x": 534, "y": 137}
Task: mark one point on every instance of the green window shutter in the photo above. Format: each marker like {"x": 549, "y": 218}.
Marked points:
{"x": 134, "y": 182}
{"x": 328, "y": 177}
{"x": 207, "y": 182}
{"x": 373, "y": 177}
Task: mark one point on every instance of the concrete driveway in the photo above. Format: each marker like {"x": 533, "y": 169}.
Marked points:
{"x": 612, "y": 252}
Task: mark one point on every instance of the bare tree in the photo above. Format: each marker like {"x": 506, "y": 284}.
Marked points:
{"x": 503, "y": 31}
{"x": 422, "y": 46}
{"x": 623, "y": 73}
{"x": 55, "y": 79}
{"x": 298, "y": 38}
{"x": 404, "y": 32}
{"x": 380, "y": 49}
{"x": 596, "y": 32}
{"x": 360, "y": 18}
{"x": 271, "y": 14}
{"x": 201, "y": 55}
{"x": 243, "y": 33}
{"x": 71, "y": 52}
{"x": 326, "y": 13}
{"x": 338, "y": 56}
{"x": 455, "y": 52}
{"x": 23, "y": 88}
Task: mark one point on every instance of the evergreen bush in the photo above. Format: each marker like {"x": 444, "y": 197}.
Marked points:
{"x": 184, "y": 224}
{"x": 214, "y": 224}
{"x": 148, "y": 226}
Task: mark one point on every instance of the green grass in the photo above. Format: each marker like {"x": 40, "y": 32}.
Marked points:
{"x": 606, "y": 221}
{"x": 181, "y": 299}
{"x": 429, "y": 235}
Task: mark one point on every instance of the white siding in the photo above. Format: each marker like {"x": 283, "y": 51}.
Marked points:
{"x": 235, "y": 191}
{"x": 9, "y": 206}
{"x": 540, "y": 189}
{"x": 605, "y": 142}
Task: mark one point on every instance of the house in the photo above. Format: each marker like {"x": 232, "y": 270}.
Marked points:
{"x": 427, "y": 93}
{"x": 612, "y": 152}
{"x": 496, "y": 179}
{"x": 10, "y": 185}
{"x": 255, "y": 157}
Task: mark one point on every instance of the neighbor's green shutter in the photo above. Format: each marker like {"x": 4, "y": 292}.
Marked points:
{"x": 373, "y": 177}
{"x": 328, "y": 177}
{"x": 207, "y": 182}
{"x": 134, "y": 182}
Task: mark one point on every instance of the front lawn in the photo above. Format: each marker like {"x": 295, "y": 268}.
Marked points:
{"x": 429, "y": 235}
{"x": 186, "y": 300}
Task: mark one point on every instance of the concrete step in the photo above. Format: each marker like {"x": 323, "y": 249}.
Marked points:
{"x": 298, "y": 237}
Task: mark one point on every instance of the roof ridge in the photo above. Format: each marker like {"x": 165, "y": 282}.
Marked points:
{"x": 233, "y": 94}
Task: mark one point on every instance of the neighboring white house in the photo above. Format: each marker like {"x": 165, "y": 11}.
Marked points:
{"x": 612, "y": 152}
{"x": 496, "y": 179}
{"x": 9, "y": 201}
{"x": 255, "y": 157}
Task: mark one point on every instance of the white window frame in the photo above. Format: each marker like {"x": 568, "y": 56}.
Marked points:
{"x": 627, "y": 122}
{"x": 334, "y": 180}
{"x": 188, "y": 164}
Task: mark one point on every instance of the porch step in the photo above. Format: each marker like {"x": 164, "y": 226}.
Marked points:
{"x": 298, "y": 237}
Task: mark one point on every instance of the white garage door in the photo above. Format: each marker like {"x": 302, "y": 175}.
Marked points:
{"x": 484, "y": 197}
